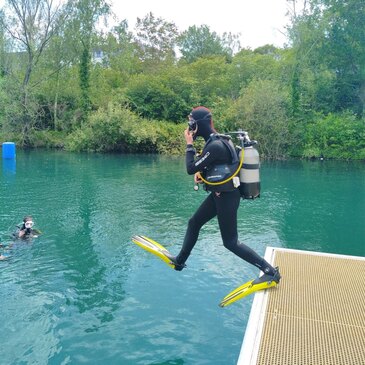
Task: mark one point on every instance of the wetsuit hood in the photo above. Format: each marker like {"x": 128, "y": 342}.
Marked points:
{"x": 203, "y": 118}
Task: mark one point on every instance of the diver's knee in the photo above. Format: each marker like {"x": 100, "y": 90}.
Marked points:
{"x": 194, "y": 224}
{"x": 230, "y": 244}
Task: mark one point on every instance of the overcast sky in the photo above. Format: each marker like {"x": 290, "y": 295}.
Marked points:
{"x": 259, "y": 22}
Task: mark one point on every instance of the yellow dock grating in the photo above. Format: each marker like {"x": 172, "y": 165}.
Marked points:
{"x": 316, "y": 316}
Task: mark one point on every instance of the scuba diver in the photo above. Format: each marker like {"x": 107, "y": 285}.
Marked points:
{"x": 26, "y": 229}
{"x": 223, "y": 199}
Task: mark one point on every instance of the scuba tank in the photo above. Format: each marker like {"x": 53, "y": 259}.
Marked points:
{"x": 250, "y": 169}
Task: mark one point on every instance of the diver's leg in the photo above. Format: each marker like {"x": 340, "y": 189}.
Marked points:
{"x": 227, "y": 205}
{"x": 205, "y": 213}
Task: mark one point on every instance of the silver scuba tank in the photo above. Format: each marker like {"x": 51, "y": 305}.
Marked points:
{"x": 250, "y": 172}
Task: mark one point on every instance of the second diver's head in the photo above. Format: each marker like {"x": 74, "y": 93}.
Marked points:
{"x": 28, "y": 222}
{"x": 201, "y": 122}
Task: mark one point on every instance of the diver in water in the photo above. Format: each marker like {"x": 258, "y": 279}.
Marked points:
{"x": 26, "y": 229}
{"x": 223, "y": 200}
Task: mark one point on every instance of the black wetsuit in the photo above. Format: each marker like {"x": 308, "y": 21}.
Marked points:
{"x": 29, "y": 232}
{"x": 223, "y": 202}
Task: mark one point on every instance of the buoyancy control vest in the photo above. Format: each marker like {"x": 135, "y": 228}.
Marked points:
{"x": 245, "y": 163}
{"x": 221, "y": 173}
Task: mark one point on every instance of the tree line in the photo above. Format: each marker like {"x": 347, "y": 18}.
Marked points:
{"x": 66, "y": 82}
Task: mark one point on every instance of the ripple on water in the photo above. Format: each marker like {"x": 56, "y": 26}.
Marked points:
{"x": 83, "y": 293}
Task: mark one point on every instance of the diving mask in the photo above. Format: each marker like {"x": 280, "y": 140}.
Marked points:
{"x": 29, "y": 224}
{"x": 192, "y": 123}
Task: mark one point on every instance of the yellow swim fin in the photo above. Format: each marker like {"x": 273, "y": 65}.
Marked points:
{"x": 155, "y": 248}
{"x": 248, "y": 288}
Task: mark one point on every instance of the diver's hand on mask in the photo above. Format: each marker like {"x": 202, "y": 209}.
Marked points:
{"x": 188, "y": 136}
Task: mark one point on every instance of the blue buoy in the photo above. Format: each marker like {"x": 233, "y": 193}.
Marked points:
{"x": 8, "y": 150}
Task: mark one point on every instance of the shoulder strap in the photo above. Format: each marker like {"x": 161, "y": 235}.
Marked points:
{"x": 226, "y": 139}
{"x": 231, "y": 150}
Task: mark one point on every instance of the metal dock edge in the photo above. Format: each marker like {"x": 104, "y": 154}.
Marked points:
{"x": 316, "y": 316}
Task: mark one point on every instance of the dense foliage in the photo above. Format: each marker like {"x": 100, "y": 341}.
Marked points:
{"x": 64, "y": 84}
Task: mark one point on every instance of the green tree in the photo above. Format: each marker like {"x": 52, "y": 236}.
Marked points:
{"x": 197, "y": 42}
{"x": 210, "y": 79}
{"x": 260, "y": 64}
{"x": 84, "y": 15}
{"x": 262, "y": 112}
{"x": 118, "y": 129}
{"x": 156, "y": 40}
{"x": 54, "y": 91}
{"x": 329, "y": 43}
{"x": 30, "y": 25}
{"x": 344, "y": 51}
{"x": 2, "y": 46}
{"x": 338, "y": 136}
{"x": 166, "y": 96}
{"x": 122, "y": 51}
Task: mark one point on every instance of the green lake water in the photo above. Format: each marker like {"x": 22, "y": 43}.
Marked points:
{"x": 82, "y": 293}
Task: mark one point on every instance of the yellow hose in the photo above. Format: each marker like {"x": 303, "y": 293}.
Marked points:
{"x": 229, "y": 178}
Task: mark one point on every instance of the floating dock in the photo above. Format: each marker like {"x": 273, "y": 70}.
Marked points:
{"x": 316, "y": 316}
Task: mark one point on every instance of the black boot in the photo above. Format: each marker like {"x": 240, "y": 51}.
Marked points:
{"x": 177, "y": 265}
{"x": 275, "y": 276}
